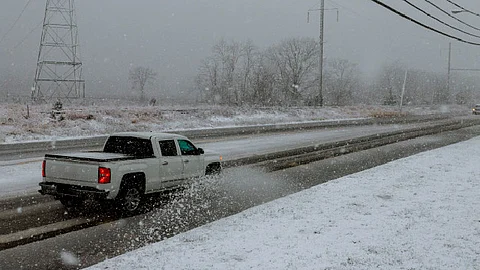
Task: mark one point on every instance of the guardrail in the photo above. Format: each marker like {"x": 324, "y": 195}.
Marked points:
{"x": 303, "y": 155}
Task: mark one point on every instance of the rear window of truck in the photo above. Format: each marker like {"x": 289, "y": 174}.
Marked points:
{"x": 131, "y": 146}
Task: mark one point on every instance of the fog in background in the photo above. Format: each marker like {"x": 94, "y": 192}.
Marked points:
{"x": 172, "y": 37}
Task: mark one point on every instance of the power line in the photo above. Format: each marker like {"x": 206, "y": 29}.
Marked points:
{"x": 349, "y": 9}
{"x": 25, "y": 38}
{"x": 462, "y": 8}
{"x": 422, "y": 24}
{"x": 438, "y": 20}
{"x": 16, "y": 21}
{"x": 361, "y": 15}
{"x": 451, "y": 16}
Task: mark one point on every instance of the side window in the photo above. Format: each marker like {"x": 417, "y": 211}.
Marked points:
{"x": 168, "y": 148}
{"x": 187, "y": 148}
{"x": 131, "y": 146}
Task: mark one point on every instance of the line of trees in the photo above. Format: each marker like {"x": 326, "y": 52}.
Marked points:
{"x": 286, "y": 74}
{"x": 422, "y": 87}
{"x": 240, "y": 73}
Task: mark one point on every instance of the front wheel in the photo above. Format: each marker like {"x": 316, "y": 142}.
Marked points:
{"x": 213, "y": 169}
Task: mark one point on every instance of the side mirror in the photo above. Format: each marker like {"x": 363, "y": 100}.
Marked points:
{"x": 200, "y": 151}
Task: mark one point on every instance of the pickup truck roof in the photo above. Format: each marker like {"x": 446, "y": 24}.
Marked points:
{"x": 148, "y": 135}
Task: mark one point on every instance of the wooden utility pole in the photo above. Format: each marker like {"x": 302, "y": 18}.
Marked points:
{"x": 320, "y": 83}
{"x": 319, "y": 100}
{"x": 449, "y": 67}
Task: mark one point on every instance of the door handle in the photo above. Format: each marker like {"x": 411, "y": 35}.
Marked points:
{"x": 165, "y": 163}
{"x": 186, "y": 161}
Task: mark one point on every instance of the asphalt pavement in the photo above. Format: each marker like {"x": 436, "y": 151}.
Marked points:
{"x": 236, "y": 190}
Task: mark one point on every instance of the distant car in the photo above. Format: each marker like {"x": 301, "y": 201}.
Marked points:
{"x": 476, "y": 109}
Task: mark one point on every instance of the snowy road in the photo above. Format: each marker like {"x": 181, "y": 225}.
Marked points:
{"x": 21, "y": 177}
{"x": 421, "y": 212}
{"x": 240, "y": 190}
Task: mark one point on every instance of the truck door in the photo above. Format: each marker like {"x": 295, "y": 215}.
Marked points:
{"x": 171, "y": 164}
{"x": 192, "y": 159}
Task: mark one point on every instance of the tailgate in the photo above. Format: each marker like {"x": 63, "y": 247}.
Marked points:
{"x": 78, "y": 168}
{"x": 66, "y": 171}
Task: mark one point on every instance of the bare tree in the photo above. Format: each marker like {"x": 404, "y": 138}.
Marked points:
{"x": 341, "y": 79}
{"x": 464, "y": 89}
{"x": 296, "y": 59}
{"x": 208, "y": 79}
{"x": 229, "y": 54}
{"x": 238, "y": 73}
{"x": 423, "y": 87}
{"x": 263, "y": 82}
{"x": 224, "y": 76}
{"x": 390, "y": 82}
{"x": 250, "y": 56}
{"x": 140, "y": 77}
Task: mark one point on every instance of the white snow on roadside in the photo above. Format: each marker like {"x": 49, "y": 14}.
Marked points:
{"x": 420, "y": 212}
{"x": 19, "y": 123}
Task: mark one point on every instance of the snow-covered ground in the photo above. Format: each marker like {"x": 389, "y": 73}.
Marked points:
{"x": 21, "y": 123}
{"x": 420, "y": 212}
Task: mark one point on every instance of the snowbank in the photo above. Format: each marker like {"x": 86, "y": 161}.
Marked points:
{"x": 21, "y": 123}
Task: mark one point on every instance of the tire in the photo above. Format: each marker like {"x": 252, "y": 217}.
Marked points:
{"x": 213, "y": 169}
{"x": 131, "y": 198}
{"x": 71, "y": 202}
{"x": 73, "y": 205}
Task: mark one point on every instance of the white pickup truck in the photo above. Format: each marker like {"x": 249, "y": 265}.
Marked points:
{"x": 131, "y": 165}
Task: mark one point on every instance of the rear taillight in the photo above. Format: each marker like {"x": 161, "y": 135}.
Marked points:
{"x": 104, "y": 175}
{"x": 43, "y": 167}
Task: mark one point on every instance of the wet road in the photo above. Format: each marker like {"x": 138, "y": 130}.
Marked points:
{"x": 236, "y": 190}
{"x": 232, "y": 147}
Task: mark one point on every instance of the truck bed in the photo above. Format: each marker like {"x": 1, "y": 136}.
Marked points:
{"x": 90, "y": 156}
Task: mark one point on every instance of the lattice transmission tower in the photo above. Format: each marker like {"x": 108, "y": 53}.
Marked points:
{"x": 59, "y": 68}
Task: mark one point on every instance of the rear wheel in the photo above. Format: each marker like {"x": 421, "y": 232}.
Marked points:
{"x": 70, "y": 202}
{"x": 73, "y": 205}
{"x": 131, "y": 197}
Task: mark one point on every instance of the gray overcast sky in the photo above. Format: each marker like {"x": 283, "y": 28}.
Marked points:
{"x": 172, "y": 36}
